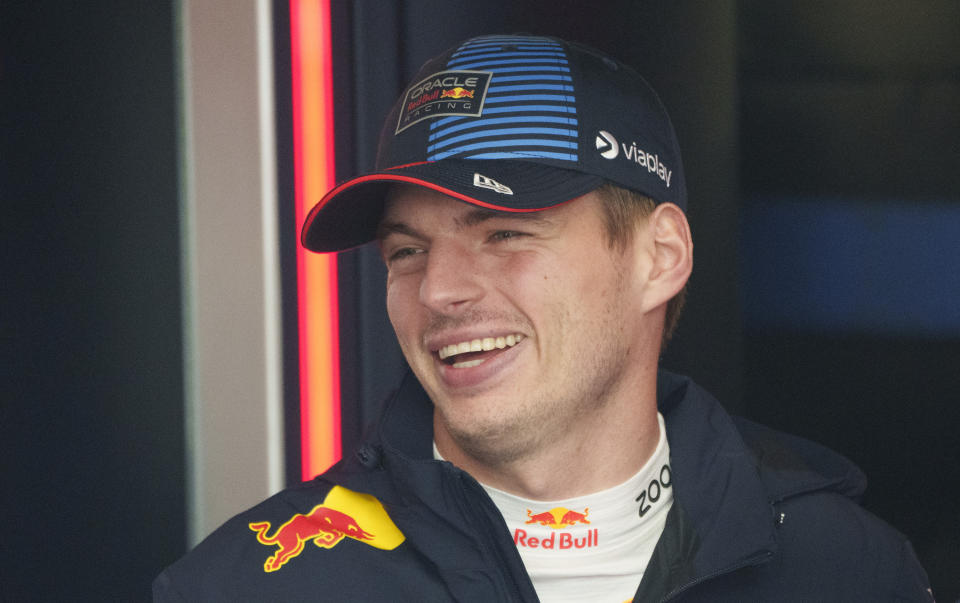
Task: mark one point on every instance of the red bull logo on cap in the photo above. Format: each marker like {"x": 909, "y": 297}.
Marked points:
{"x": 457, "y": 92}
{"x": 447, "y": 93}
{"x": 342, "y": 514}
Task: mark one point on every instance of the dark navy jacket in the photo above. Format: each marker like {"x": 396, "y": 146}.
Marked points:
{"x": 757, "y": 516}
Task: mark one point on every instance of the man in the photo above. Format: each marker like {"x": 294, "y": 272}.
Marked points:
{"x": 529, "y": 206}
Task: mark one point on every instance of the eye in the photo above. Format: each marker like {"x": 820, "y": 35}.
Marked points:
{"x": 403, "y": 253}
{"x": 503, "y": 235}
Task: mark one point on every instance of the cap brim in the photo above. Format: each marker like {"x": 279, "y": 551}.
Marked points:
{"x": 348, "y": 215}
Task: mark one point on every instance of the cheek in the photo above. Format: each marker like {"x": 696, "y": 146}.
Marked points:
{"x": 580, "y": 280}
{"x": 544, "y": 293}
{"x": 524, "y": 281}
{"x": 586, "y": 296}
{"x": 520, "y": 269}
{"x": 401, "y": 306}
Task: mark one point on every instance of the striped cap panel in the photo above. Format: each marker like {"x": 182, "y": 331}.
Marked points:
{"x": 530, "y": 107}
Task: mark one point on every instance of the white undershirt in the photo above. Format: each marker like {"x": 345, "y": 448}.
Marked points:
{"x": 593, "y": 547}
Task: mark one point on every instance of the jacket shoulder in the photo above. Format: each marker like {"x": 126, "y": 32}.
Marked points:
{"x": 791, "y": 465}
{"x": 822, "y": 530}
{"x": 231, "y": 555}
{"x": 315, "y": 538}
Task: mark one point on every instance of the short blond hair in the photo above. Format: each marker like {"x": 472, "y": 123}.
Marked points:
{"x": 623, "y": 211}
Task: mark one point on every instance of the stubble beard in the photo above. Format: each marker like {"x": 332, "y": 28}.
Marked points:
{"x": 589, "y": 378}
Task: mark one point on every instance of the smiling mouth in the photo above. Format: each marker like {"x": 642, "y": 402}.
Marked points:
{"x": 472, "y": 353}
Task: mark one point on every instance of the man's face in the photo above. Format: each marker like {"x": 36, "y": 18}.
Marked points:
{"x": 541, "y": 296}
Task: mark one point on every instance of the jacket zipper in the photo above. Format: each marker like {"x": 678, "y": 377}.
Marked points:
{"x": 472, "y": 487}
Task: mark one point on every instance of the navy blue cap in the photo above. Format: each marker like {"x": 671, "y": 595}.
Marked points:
{"x": 511, "y": 123}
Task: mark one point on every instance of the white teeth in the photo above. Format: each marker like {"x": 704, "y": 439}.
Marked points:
{"x": 468, "y": 363}
{"x": 478, "y": 345}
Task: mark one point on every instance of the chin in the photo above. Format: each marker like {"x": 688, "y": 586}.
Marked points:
{"x": 491, "y": 450}
{"x": 492, "y": 439}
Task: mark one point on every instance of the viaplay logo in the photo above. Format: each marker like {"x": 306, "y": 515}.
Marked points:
{"x": 609, "y": 148}
{"x": 557, "y": 518}
{"x": 607, "y": 145}
{"x": 342, "y": 514}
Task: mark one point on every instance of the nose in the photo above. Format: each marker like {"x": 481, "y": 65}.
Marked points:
{"x": 452, "y": 281}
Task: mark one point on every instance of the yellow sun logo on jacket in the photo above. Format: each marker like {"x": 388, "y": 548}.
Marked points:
{"x": 342, "y": 514}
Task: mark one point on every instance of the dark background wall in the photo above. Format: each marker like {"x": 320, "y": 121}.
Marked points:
{"x": 784, "y": 110}
{"x": 91, "y": 421}
{"x": 850, "y": 175}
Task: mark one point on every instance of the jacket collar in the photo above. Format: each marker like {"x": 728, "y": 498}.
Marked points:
{"x": 715, "y": 480}
{"x": 441, "y": 509}
{"x": 715, "y": 475}
{"x": 727, "y": 473}
{"x": 406, "y": 425}
{"x": 730, "y": 474}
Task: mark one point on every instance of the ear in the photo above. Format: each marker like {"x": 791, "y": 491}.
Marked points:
{"x": 670, "y": 246}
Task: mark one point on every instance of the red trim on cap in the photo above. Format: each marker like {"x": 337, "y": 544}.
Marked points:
{"x": 406, "y": 165}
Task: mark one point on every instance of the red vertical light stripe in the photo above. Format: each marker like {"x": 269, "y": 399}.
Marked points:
{"x": 316, "y": 274}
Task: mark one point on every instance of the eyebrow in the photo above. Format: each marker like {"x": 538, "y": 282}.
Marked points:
{"x": 480, "y": 215}
{"x": 387, "y": 228}
{"x": 472, "y": 218}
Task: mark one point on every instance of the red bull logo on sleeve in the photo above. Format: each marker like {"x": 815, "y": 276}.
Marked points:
{"x": 342, "y": 514}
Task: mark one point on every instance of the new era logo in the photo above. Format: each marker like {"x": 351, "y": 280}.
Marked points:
{"x": 483, "y": 182}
